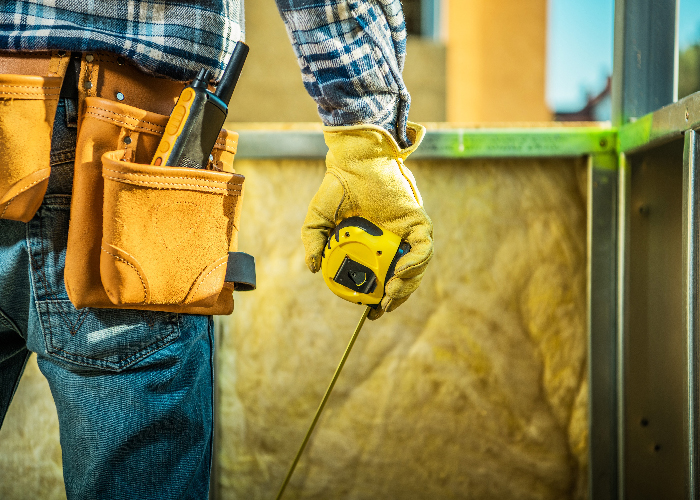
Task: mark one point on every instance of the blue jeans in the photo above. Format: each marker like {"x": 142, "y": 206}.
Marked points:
{"x": 133, "y": 389}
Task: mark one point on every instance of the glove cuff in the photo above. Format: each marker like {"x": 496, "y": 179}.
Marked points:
{"x": 369, "y": 140}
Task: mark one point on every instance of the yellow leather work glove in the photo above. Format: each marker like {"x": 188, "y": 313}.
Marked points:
{"x": 366, "y": 177}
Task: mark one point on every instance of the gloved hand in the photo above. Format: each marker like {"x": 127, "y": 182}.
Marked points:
{"x": 366, "y": 177}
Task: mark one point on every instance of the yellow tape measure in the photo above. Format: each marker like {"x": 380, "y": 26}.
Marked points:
{"x": 358, "y": 260}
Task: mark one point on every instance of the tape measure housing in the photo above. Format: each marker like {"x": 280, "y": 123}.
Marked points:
{"x": 358, "y": 258}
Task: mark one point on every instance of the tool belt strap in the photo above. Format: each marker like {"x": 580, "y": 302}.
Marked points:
{"x": 52, "y": 63}
{"x": 241, "y": 271}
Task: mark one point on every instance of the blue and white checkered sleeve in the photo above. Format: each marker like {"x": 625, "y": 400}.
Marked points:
{"x": 351, "y": 54}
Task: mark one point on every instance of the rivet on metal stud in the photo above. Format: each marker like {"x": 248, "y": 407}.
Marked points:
{"x": 88, "y": 85}
{"x": 89, "y": 58}
{"x": 127, "y": 140}
{"x": 120, "y": 96}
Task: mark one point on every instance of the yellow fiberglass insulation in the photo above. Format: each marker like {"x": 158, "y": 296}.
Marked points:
{"x": 473, "y": 389}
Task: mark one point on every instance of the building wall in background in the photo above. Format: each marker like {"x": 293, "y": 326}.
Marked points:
{"x": 496, "y": 61}
{"x": 491, "y": 67}
{"x": 425, "y": 77}
{"x": 270, "y": 89}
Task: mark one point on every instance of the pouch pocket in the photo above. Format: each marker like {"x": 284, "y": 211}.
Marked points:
{"x": 27, "y": 110}
{"x": 166, "y": 232}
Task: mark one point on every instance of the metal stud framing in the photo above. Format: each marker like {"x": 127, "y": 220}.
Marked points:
{"x": 645, "y": 57}
{"x": 602, "y": 342}
{"x": 691, "y": 269}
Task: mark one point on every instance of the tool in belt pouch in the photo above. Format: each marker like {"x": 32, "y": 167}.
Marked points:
{"x": 29, "y": 90}
{"x": 142, "y": 236}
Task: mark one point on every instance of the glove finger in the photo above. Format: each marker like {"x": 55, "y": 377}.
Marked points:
{"x": 320, "y": 219}
{"x": 420, "y": 237}
{"x": 402, "y": 287}
{"x": 375, "y": 313}
{"x": 389, "y": 303}
{"x": 411, "y": 267}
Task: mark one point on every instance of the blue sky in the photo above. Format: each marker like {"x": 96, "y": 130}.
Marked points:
{"x": 580, "y": 45}
{"x": 688, "y": 23}
{"x": 579, "y": 51}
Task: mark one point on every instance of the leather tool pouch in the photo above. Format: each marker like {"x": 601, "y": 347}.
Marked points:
{"x": 166, "y": 232}
{"x": 29, "y": 90}
{"x": 145, "y": 237}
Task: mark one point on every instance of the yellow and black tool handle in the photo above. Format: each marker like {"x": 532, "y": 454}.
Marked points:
{"x": 198, "y": 116}
{"x": 192, "y": 128}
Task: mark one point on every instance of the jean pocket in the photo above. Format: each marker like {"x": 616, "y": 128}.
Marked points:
{"x": 104, "y": 338}
{"x": 101, "y": 338}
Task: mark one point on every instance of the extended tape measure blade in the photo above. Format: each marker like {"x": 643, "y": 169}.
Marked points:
{"x": 323, "y": 401}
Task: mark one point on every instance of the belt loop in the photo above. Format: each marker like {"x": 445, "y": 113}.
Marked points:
{"x": 87, "y": 83}
{"x": 71, "y": 106}
{"x": 59, "y": 63}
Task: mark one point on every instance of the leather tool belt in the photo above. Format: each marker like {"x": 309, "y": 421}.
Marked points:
{"x": 140, "y": 236}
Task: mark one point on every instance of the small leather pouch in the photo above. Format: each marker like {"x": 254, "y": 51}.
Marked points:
{"x": 166, "y": 232}
{"x": 144, "y": 237}
{"x": 27, "y": 109}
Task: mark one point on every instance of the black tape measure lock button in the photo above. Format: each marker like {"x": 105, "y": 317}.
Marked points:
{"x": 359, "y": 259}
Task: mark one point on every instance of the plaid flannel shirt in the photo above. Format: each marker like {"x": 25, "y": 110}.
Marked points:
{"x": 351, "y": 52}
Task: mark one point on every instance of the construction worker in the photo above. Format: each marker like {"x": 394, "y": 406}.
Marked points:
{"x": 134, "y": 388}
